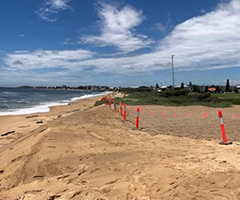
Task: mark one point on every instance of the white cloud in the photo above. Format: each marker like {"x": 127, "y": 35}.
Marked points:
{"x": 162, "y": 27}
{"x": 205, "y": 42}
{"x": 117, "y": 29}
{"x": 24, "y": 60}
{"x": 210, "y": 41}
{"x": 51, "y": 8}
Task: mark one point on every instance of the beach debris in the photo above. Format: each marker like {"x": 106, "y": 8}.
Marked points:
{"x": 31, "y": 116}
{"x": 38, "y": 176}
{"x": 21, "y": 198}
{"x": 39, "y": 122}
{"x": 44, "y": 129}
{"x": 62, "y": 177}
{"x": 82, "y": 171}
{"x": 75, "y": 194}
{"x": 7, "y": 133}
{"x": 53, "y": 197}
{"x": 17, "y": 159}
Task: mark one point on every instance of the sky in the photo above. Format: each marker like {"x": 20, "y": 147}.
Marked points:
{"x": 119, "y": 42}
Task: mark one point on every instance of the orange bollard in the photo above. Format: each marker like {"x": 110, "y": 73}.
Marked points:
{"x": 137, "y": 117}
{"x": 124, "y": 111}
{"x": 224, "y": 142}
{"x": 120, "y": 107}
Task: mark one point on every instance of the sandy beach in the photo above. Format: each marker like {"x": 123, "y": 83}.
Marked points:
{"x": 90, "y": 153}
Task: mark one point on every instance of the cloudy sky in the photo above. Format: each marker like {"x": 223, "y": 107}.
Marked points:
{"x": 119, "y": 43}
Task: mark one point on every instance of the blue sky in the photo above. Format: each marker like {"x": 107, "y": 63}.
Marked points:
{"x": 119, "y": 43}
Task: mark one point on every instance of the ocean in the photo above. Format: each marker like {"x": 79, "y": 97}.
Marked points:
{"x": 15, "y": 101}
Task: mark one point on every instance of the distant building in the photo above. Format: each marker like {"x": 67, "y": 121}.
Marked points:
{"x": 212, "y": 89}
{"x": 238, "y": 88}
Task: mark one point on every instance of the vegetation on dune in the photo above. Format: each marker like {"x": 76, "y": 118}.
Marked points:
{"x": 213, "y": 96}
{"x": 182, "y": 97}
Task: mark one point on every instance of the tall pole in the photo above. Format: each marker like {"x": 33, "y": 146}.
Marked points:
{"x": 172, "y": 72}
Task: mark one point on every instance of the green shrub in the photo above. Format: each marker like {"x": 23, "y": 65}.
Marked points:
{"x": 202, "y": 96}
{"x": 175, "y": 93}
{"x": 192, "y": 95}
{"x": 98, "y": 103}
{"x": 236, "y": 101}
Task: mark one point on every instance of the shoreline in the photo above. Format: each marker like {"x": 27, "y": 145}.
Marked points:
{"x": 22, "y": 124}
{"x": 46, "y": 107}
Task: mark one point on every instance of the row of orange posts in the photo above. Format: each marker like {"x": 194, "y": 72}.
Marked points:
{"x": 123, "y": 112}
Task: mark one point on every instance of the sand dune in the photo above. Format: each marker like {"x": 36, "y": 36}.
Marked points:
{"x": 93, "y": 154}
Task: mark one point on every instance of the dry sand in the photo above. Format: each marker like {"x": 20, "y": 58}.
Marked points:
{"x": 92, "y": 154}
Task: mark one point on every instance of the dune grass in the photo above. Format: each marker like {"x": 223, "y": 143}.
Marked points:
{"x": 154, "y": 98}
{"x": 178, "y": 98}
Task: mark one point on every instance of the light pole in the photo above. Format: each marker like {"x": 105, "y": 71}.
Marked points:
{"x": 172, "y": 72}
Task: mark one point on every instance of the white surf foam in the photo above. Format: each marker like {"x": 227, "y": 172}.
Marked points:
{"x": 46, "y": 107}
{"x": 35, "y": 109}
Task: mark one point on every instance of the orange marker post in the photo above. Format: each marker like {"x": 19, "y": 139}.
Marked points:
{"x": 137, "y": 117}
{"x": 124, "y": 111}
{"x": 224, "y": 142}
{"x": 109, "y": 102}
{"x": 120, "y": 107}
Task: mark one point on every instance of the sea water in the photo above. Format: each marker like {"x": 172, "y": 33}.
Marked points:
{"x": 14, "y": 101}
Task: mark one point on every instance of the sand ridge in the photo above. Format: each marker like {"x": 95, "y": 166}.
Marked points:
{"x": 93, "y": 154}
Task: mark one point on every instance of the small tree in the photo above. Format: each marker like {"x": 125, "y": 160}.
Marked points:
{"x": 206, "y": 89}
{"x": 182, "y": 85}
{"x": 190, "y": 83}
{"x": 196, "y": 88}
{"x": 227, "y": 86}
{"x": 157, "y": 86}
{"x": 218, "y": 89}
{"x": 236, "y": 90}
